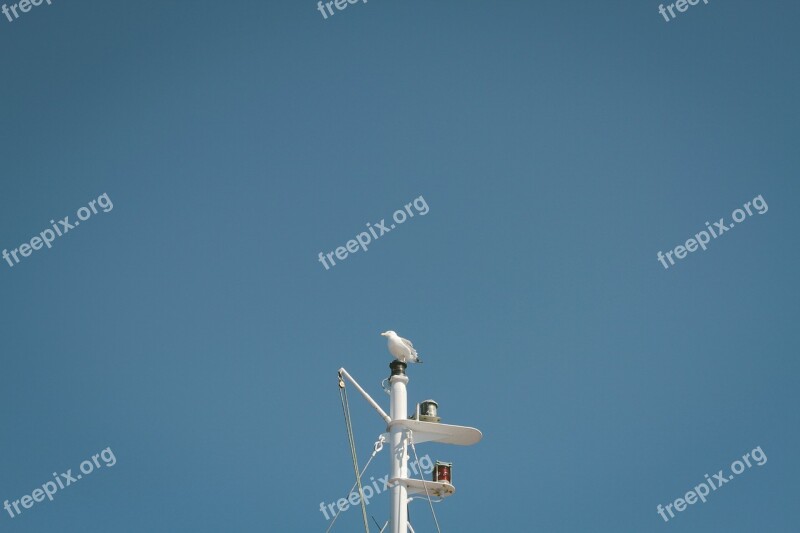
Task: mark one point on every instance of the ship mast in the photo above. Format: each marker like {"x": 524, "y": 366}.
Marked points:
{"x": 403, "y": 431}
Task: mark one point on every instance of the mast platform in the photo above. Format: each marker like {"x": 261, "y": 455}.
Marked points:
{"x": 438, "y": 489}
{"x": 436, "y": 432}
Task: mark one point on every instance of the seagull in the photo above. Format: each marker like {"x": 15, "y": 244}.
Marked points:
{"x": 401, "y": 348}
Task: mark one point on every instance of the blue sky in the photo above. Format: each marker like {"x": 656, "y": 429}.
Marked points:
{"x": 558, "y": 146}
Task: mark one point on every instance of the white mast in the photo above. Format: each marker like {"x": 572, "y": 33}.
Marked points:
{"x": 399, "y": 447}
{"x": 400, "y": 428}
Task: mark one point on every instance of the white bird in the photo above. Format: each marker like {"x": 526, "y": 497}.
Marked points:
{"x": 401, "y": 348}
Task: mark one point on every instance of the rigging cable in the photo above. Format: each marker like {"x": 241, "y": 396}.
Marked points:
{"x": 378, "y": 448}
{"x": 424, "y": 483}
{"x": 351, "y": 438}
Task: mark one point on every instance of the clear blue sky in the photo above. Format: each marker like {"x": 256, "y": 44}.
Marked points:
{"x": 559, "y": 147}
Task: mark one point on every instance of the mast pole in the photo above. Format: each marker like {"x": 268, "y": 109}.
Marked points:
{"x": 399, "y": 447}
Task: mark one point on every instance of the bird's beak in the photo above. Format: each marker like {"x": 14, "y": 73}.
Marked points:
{"x": 383, "y": 334}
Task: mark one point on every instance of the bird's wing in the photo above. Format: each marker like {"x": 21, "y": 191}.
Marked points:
{"x": 408, "y": 345}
